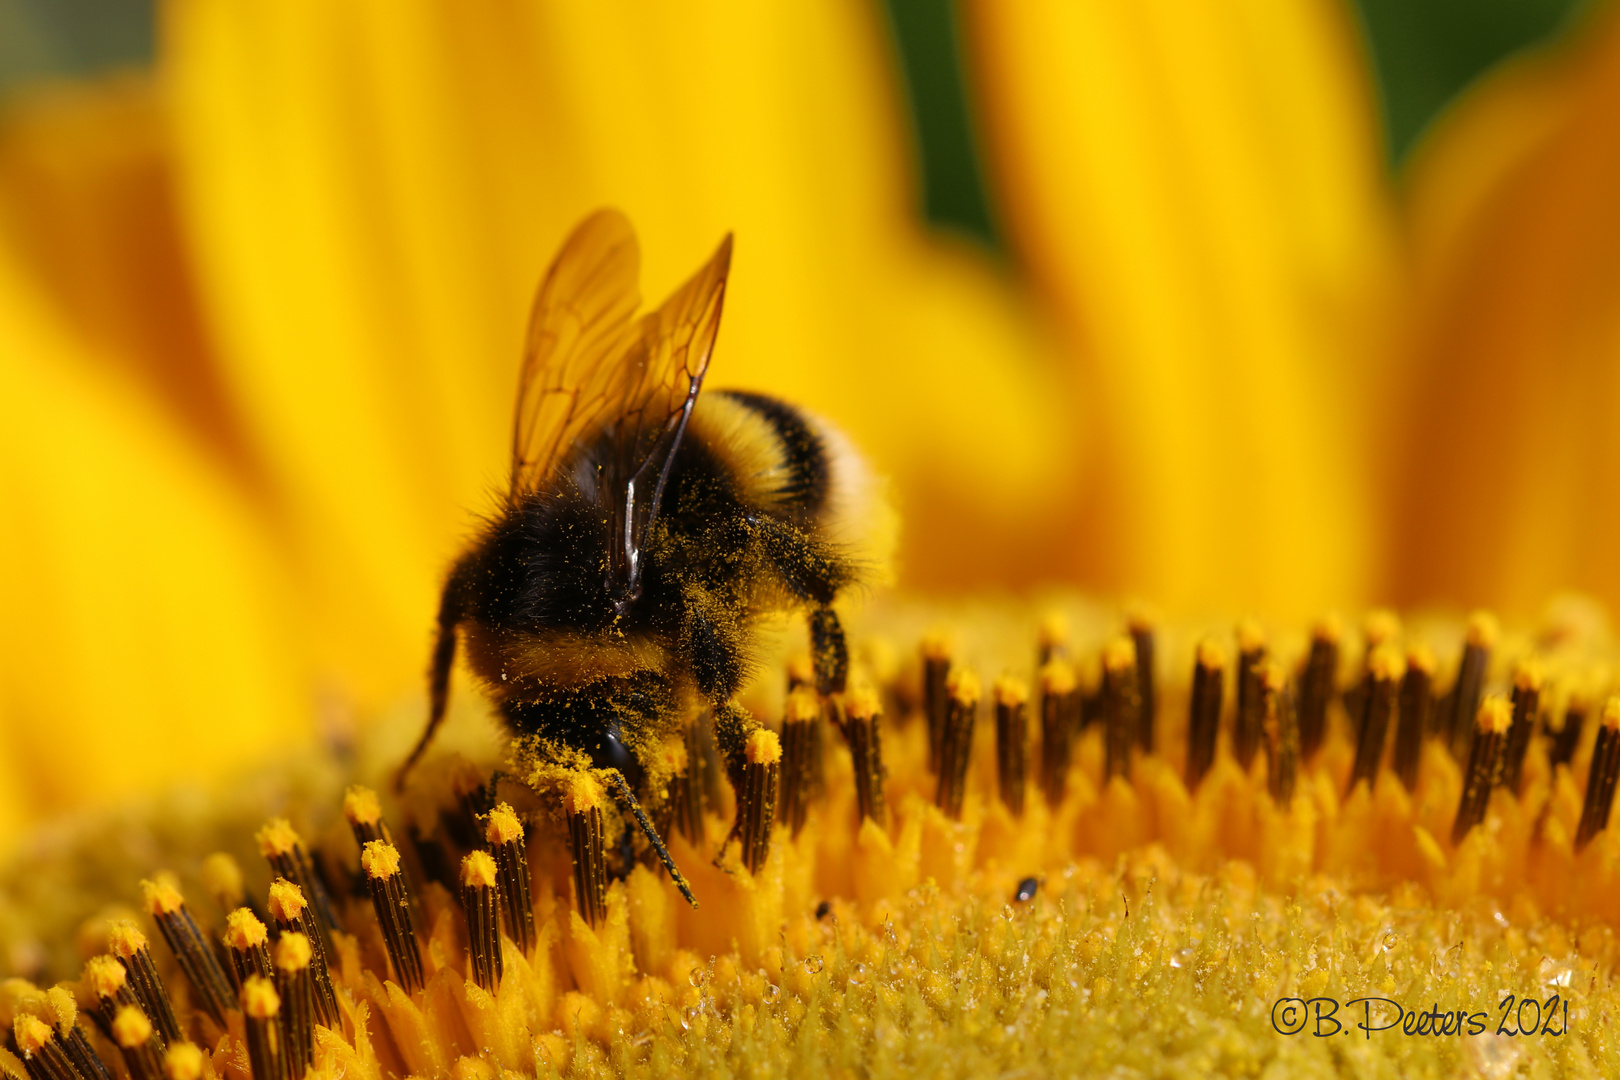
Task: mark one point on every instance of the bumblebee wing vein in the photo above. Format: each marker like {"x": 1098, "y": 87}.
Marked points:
{"x": 674, "y": 345}
{"x": 581, "y": 325}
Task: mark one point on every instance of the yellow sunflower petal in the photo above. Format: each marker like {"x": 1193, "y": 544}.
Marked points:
{"x": 145, "y": 638}
{"x": 375, "y": 190}
{"x": 1197, "y": 190}
{"x": 1513, "y": 457}
{"x": 87, "y": 207}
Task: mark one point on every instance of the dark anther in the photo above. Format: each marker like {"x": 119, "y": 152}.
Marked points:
{"x": 823, "y": 909}
{"x": 1027, "y": 890}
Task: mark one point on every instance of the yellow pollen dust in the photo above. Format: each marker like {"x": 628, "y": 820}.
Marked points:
{"x": 1482, "y": 629}
{"x": 1119, "y": 654}
{"x": 936, "y": 645}
{"x": 259, "y": 998}
{"x": 244, "y": 931}
{"x": 1495, "y": 714}
{"x": 1010, "y": 691}
{"x": 478, "y": 871}
{"x": 876, "y": 908}
{"x": 763, "y": 747}
{"x": 1380, "y": 626}
{"x": 32, "y": 1034}
{"x": 105, "y": 976}
{"x": 1528, "y": 674}
{"x": 672, "y": 752}
{"x": 131, "y": 1028}
{"x": 183, "y": 1061}
{"x": 287, "y": 901}
{"x": 1250, "y": 636}
{"x": 380, "y": 859}
{"x": 63, "y": 1008}
{"x": 963, "y": 685}
{"x": 125, "y": 939}
{"x": 1386, "y": 663}
{"x": 863, "y": 703}
{"x": 1054, "y": 630}
{"x": 1421, "y": 658}
{"x": 277, "y": 838}
{"x": 361, "y": 806}
{"x": 1329, "y": 628}
{"x": 582, "y": 793}
{"x": 292, "y": 952}
{"x": 803, "y": 706}
{"x": 1057, "y": 678}
{"x": 504, "y": 826}
{"x": 1211, "y": 655}
{"x": 162, "y": 898}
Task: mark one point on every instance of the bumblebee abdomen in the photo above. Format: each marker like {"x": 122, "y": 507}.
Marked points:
{"x": 786, "y": 461}
{"x": 774, "y": 452}
{"x": 801, "y": 473}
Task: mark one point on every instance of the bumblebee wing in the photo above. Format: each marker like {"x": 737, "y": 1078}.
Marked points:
{"x": 590, "y": 367}
{"x": 580, "y": 331}
{"x": 662, "y": 373}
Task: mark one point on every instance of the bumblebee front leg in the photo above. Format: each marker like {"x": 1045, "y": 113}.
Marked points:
{"x": 753, "y": 756}
{"x": 829, "y": 652}
{"x": 814, "y": 573}
{"x": 628, "y": 797}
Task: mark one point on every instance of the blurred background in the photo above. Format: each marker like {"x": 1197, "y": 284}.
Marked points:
{"x": 1264, "y": 307}
{"x": 1422, "y": 54}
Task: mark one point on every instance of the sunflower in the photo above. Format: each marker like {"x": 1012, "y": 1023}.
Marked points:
{"x": 263, "y": 310}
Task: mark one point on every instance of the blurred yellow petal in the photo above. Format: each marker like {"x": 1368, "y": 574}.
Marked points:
{"x": 86, "y": 206}
{"x": 145, "y": 638}
{"x": 1197, "y": 190}
{"x": 374, "y": 191}
{"x": 1514, "y": 446}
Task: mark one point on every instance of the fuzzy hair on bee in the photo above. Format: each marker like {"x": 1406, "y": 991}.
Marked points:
{"x": 618, "y": 589}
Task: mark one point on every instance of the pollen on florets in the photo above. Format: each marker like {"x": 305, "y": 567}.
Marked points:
{"x": 900, "y": 879}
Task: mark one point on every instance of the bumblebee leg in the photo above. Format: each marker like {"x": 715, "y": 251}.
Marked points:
{"x": 829, "y": 652}
{"x": 814, "y": 573}
{"x": 628, "y": 797}
{"x": 811, "y": 571}
{"x": 712, "y": 642}
{"x": 444, "y": 657}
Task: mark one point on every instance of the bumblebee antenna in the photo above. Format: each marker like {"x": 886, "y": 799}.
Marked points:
{"x": 617, "y": 779}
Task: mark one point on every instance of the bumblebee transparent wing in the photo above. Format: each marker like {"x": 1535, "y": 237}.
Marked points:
{"x": 663, "y": 372}
{"x": 579, "y": 330}
{"x": 593, "y": 372}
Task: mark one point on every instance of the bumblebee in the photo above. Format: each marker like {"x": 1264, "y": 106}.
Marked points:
{"x": 646, "y": 532}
